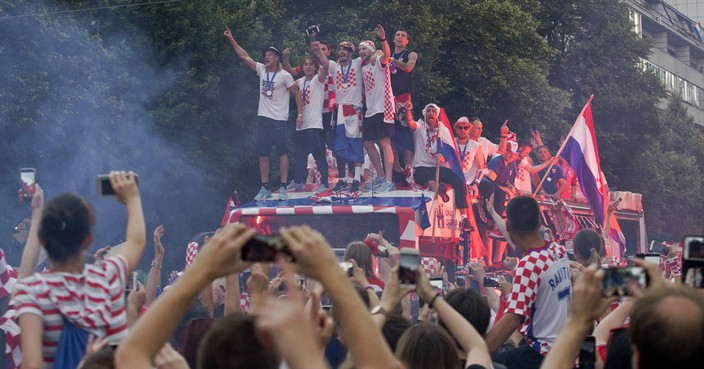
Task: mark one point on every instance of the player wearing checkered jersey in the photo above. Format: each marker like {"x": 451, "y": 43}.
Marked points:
{"x": 540, "y": 297}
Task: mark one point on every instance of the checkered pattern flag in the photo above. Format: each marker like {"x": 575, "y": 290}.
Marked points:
{"x": 191, "y": 253}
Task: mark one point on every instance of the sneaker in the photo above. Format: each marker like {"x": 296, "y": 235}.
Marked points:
{"x": 376, "y": 182}
{"x": 341, "y": 185}
{"x": 442, "y": 192}
{"x": 283, "y": 194}
{"x": 322, "y": 188}
{"x": 263, "y": 194}
{"x": 294, "y": 186}
{"x": 355, "y": 186}
{"x": 386, "y": 186}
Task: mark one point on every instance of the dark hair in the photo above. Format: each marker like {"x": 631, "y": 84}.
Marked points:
{"x": 524, "y": 143}
{"x": 312, "y": 59}
{"x": 101, "y": 359}
{"x": 669, "y": 334}
{"x": 472, "y": 306}
{"x": 361, "y": 254}
{"x": 66, "y": 222}
{"x": 195, "y": 330}
{"x": 325, "y": 43}
{"x": 523, "y": 215}
{"x": 588, "y": 245}
{"x": 618, "y": 351}
{"x": 408, "y": 34}
{"x": 542, "y": 147}
{"x": 231, "y": 343}
{"x": 393, "y": 329}
{"x": 427, "y": 346}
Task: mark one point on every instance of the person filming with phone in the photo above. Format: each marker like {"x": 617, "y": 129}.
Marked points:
{"x": 74, "y": 296}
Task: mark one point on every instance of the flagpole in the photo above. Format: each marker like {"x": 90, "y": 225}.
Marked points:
{"x": 562, "y": 147}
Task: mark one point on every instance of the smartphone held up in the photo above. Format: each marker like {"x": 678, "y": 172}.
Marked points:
{"x": 265, "y": 249}
{"x": 104, "y": 185}
{"x": 693, "y": 261}
{"x": 410, "y": 259}
{"x": 28, "y": 179}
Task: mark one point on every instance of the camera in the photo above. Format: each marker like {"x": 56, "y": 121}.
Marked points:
{"x": 104, "y": 185}
{"x": 265, "y": 249}
{"x": 347, "y": 267}
{"x": 27, "y": 181}
{"x": 623, "y": 281}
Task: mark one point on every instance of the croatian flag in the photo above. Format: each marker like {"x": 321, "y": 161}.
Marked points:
{"x": 581, "y": 153}
{"x": 698, "y": 31}
{"x": 447, "y": 146}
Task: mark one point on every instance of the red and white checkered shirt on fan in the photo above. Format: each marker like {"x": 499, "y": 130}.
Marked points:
{"x": 541, "y": 294}
{"x": 93, "y": 300}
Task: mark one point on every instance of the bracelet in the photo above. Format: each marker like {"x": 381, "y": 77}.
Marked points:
{"x": 504, "y": 136}
{"x": 432, "y": 301}
{"x": 156, "y": 264}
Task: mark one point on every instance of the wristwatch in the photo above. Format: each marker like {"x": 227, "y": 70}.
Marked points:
{"x": 379, "y": 310}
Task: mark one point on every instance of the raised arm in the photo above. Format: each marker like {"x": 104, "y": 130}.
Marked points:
{"x": 466, "y": 335}
{"x": 154, "y": 276}
{"x": 241, "y": 53}
{"x": 32, "y": 249}
{"x": 384, "y": 45}
{"x": 315, "y": 258}
{"x": 412, "y": 124}
{"x": 127, "y": 192}
{"x": 220, "y": 256}
{"x": 286, "y": 63}
{"x": 324, "y": 69}
{"x": 503, "y": 138}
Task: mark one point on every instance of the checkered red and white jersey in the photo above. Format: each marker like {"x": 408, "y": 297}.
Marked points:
{"x": 348, "y": 82}
{"x": 541, "y": 294}
{"x": 93, "y": 300}
{"x": 377, "y": 90}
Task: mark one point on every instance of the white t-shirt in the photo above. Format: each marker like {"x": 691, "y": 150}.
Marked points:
{"x": 467, "y": 153}
{"x": 422, "y": 156}
{"x": 377, "y": 90}
{"x": 348, "y": 82}
{"x": 523, "y": 176}
{"x": 489, "y": 147}
{"x": 313, "y": 95}
{"x": 275, "y": 106}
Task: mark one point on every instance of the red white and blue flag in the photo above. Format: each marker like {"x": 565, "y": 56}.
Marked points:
{"x": 582, "y": 154}
{"x": 447, "y": 146}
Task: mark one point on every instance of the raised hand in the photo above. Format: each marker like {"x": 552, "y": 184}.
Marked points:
{"x": 504, "y": 128}
{"x": 380, "y": 32}
{"x": 227, "y": 32}
{"x": 158, "y": 246}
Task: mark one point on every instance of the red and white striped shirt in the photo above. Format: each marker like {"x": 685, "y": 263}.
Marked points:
{"x": 93, "y": 300}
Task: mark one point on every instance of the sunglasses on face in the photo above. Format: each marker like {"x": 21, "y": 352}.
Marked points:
{"x": 462, "y": 128}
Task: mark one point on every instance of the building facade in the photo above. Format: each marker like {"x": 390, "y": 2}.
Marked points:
{"x": 678, "y": 50}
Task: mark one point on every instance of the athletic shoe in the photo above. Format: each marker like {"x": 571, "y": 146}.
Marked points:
{"x": 322, "y": 188}
{"x": 263, "y": 194}
{"x": 294, "y": 186}
{"x": 386, "y": 186}
{"x": 376, "y": 182}
{"x": 283, "y": 195}
{"x": 355, "y": 186}
{"x": 340, "y": 186}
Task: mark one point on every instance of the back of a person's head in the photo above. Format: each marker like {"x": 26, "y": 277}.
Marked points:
{"x": 618, "y": 351}
{"x": 196, "y": 329}
{"x": 472, "y": 306}
{"x": 101, "y": 359}
{"x": 394, "y": 328}
{"x": 361, "y": 254}
{"x": 588, "y": 245}
{"x": 231, "y": 343}
{"x": 66, "y": 223}
{"x": 427, "y": 346}
{"x": 523, "y": 215}
{"x": 667, "y": 328}
{"x": 195, "y": 311}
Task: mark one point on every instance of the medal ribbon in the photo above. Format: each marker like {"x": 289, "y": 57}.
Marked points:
{"x": 270, "y": 83}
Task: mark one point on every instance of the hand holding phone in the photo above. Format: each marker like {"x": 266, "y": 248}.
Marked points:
{"x": 693, "y": 261}
{"x": 265, "y": 249}
{"x": 27, "y": 182}
{"x": 623, "y": 281}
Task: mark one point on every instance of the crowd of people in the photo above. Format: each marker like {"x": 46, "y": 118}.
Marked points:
{"x": 306, "y": 311}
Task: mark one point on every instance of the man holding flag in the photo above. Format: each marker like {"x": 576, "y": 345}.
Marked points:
{"x": 436, "y": 150}
{"x": 582, "y": 155}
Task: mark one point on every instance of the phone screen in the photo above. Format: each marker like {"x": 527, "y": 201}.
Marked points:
{"x": 587, "y": 353}
{"x": 651, "y": 258}
{"x": 436, "y": 283}
{"x": 407, "y": 269}
{"x": 28, "y": 176}
{"x": 693, "y": 248}
{"x": 623, "y": 281}
{"x": 258, "y": 249}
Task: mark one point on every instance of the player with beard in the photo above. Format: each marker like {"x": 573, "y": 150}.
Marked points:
{"x": 379, "y": 116}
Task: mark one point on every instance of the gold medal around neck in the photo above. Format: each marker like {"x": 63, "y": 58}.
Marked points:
{"x": 268, "y": 93}
{"x": 343, "y": 85}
